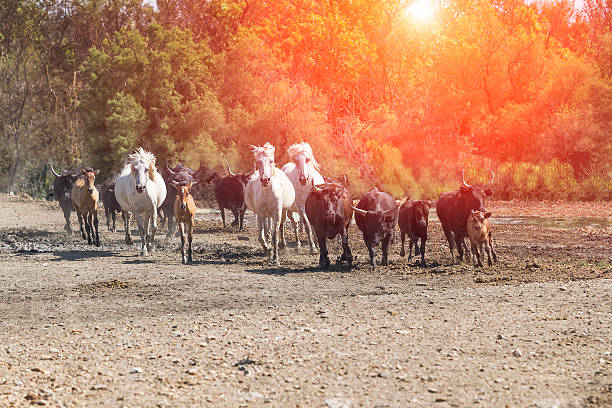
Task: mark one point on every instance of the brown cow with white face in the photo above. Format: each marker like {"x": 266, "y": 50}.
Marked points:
{"x": 479, "y": 231}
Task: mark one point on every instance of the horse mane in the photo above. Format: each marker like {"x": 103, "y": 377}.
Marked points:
{"x": 141, "y": 154}
{"x": 305, "y": 149}
{"x": 266, "y": 150}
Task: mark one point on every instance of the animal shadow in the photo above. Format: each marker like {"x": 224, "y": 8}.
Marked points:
{"x": 82, "y": 255}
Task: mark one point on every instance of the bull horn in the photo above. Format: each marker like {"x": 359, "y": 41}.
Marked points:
{"x": 319, "y": 189}
{"x": 170, "y": 170}
{"x": 344, "y": 181}
{"x": 359, "y": 210}
{"x": 463, "y": 179}
{"x": 492, "y": 178}
{"x": 229, "y": 170}
{"x": 387, "y": 212}
{"x": 53, "y": 171}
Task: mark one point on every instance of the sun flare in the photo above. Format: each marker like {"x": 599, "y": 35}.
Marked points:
{"x": 421, "y": 10}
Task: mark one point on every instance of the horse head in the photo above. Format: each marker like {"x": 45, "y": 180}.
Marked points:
{"x": 301, "y": 154}
{"x": 142, "y": 166}
{"x": 264, "y": 162}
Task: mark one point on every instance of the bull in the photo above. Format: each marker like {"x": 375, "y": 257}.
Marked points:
{"x": 328, "y": 208}
{"x": 376, "y": 215}
{"x": 62, "y": 189}
{"x": 111, "y": 206}
{"x": 413, "y": 221}
{"x": 229, "y": 192}
{"x": 454, "y": 207}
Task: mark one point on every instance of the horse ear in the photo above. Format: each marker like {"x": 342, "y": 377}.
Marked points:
{"x": 487, "y": 215}
{"x": 176, "y": 185}
{"x": 96, "y": 172}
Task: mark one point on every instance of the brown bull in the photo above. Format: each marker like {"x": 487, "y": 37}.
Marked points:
{"x": 84, "y": 197}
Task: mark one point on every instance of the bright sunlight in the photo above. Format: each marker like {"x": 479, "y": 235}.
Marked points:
{"x": 421, "y": 10}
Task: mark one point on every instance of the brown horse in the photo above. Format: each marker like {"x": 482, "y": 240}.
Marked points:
{"x": 84, "y": 197}
{"x": 184, "y": 211}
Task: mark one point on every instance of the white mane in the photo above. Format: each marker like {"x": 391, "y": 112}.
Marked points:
{"x": 140, "y": 154}
{"x": 266, "y": 150}
{"x": 305, "y": 149}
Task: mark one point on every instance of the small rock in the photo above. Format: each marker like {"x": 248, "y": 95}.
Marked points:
{"x": 501, "y": 337}
{"x": 338, "y": 403}
{"x": 440, "y": 399}
{"x": 30, "y": 396}
{"x": 432, "y": 390}
{"x": 37, "y": 370}
{"x": 136, "y": 370}
{"x": 517, "y": 353}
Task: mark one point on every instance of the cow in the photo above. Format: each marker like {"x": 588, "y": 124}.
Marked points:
{"x": 184, "y": 212}
{"x": 328, "y": 208}
{"x": 413, "y": 221}
{"x": 62, "y": 189}
{"x": 229, "y": 192}
{"x": 479, "y": 232}
{"x": 84, "y": 197}
{"x": 453, "y": 209}
{"x": 111, "y": 206}
{"x": 376, "y": 216}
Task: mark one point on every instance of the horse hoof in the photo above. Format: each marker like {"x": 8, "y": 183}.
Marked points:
{"x": 313, "y": 251}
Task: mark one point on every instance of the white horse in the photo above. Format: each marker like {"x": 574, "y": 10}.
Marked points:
{"x": 303, "y": 171}
{"x": 140, "y": 190}
{"x": 269, "y": 194}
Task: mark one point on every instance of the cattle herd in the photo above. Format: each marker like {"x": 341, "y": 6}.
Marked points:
{"x": 324, "y": 206}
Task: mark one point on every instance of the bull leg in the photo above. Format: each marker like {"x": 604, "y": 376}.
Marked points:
{"x": 460, "y": 245}
{"x": 403, "y": 250}
{"x": 346, "y": 250}
{"x": 423, "y": 239}
{"x": 410, "y": 246}
{"x": 277, "y": 225}
{"x": 107, "y": 213}
{"x": 492, "y": 249}
{"x": 385, "y": 249}
{"x": 308, "y": 228}
{"x": 416, "y": 245}
{"x": 236, "y": 213}
{"x": 261, "y": 226}
{"x": 242, "y": 211}
{"x": 372, "y": 253}
{"x": 222, "y": 214}
{"x": 126, "y": 215}
{"x": 172, "y": 221}
{"x": 450, "y": 238}
{"x": 114, "y": 214}
{"x": 323, "y": 258}
{"x": 67, "y": 218}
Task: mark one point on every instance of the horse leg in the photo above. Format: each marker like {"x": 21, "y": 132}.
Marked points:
{"x": 282, "y": 242}
{"x": 142, "y": 232}
{"x": 309, "y": 232}
{"x": 153, "y": 221}
{"x": 95, "y": 225}
{"x": 492, "y": 249}
{"x": 181, "y": 228}
{"x": 296, "y": 229}
{"x": 190, "y": 238}
{"x": 80, "y": 217}
{"x": 261, "y": 226}
{"x": 126, "y": 215}
{"x": 87, "y": 219}
{"x": 277, "y": 222}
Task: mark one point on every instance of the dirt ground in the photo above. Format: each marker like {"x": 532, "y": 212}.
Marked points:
{"x": 86, "y": 326}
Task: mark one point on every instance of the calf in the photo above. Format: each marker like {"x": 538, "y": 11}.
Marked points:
{"x": 62, "y": 189}
{"x": 328, "y": 209}
{"x": 84, "y": 198}
{"x": 376, "y": 216}
{"x": 229, "y": 192}
{"x": 184, "y": 211}
{"x": 111, "y": 206}
{"x": 413, "y": 221}
{"x": 479, "y": 231}
{"x": 453, "y": 209}
{"x": 166, "y": 209}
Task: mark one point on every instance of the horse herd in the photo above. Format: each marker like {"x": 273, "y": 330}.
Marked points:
{"x": 324, "y": 206}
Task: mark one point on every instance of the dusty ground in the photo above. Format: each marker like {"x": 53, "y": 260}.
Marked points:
{"x": 85, "y": 326}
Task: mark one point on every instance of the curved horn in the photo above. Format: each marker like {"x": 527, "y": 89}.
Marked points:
{"x": 53, "y": 171}
{"x": 170, "y": 170}
{"x": 359, "y": 210}
{"x": 463, "y": 179}
{"x": 344, "y": 180}
{"x": 492, "y": 178}
{"x": 387, "y": 212}
{"x": 229, "y": 170}
{"x": 319, "y": 189}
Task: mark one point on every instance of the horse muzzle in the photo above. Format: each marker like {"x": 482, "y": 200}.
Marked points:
{"x": 265, "y": 182}
{"x": 90, "y": 190}
{"x": 183, "y": 206}
{"x": 140, "y": 189}
{"x": 303, "y": 181}
{"x": 477, "y": 227}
